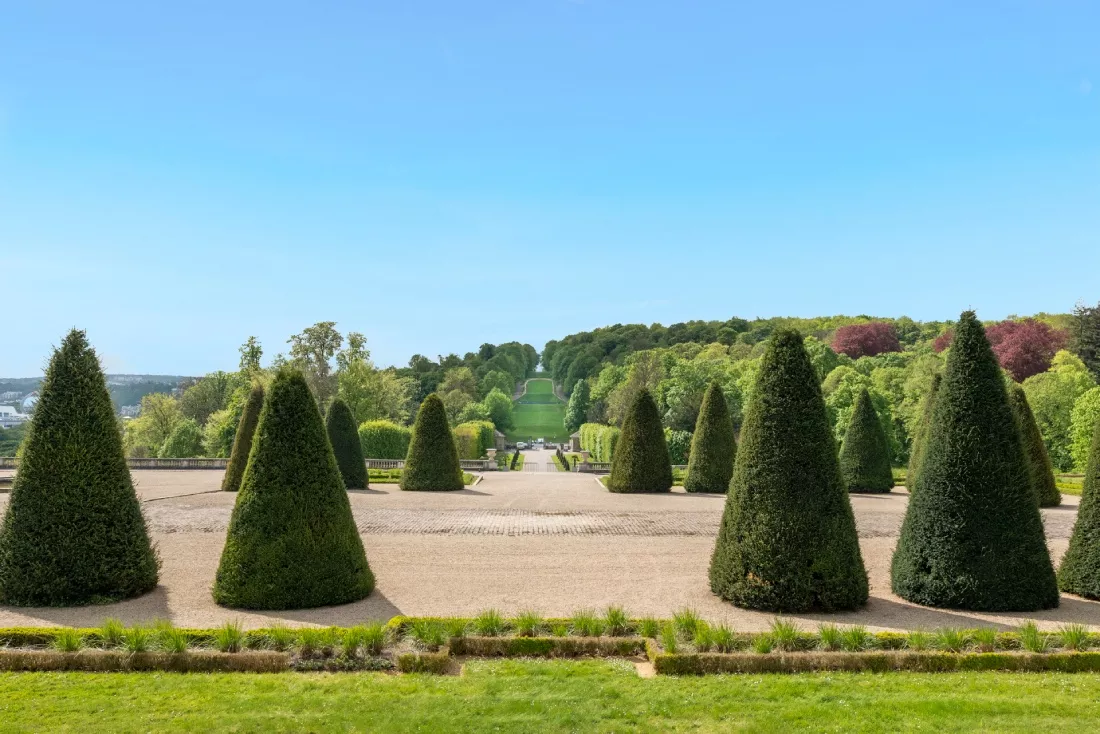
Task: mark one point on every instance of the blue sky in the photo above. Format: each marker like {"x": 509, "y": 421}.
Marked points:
{"x": 177, "y": 176}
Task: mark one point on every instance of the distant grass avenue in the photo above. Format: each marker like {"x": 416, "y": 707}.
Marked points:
{"x": 538, "y": 413}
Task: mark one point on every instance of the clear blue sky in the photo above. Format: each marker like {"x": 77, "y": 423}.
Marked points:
{"x": 177, "y": 176}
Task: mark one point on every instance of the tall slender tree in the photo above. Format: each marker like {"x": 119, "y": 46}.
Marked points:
{"x": 920, "y": 434}
{"x": 640, "y": 462}
{"x": 242, "y": 442}
{"x": 865, "y": 453}
{"x": 1038, "y": 462}
{"x": 576, "y": 412}
{"x": 344, "y": 437}
{"x": 1080, "y": 570}
{"x": 713, "y": 448}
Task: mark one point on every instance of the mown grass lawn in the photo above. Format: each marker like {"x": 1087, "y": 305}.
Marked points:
{"x": 548, "y": 696}
{"x": 538, "y": 414}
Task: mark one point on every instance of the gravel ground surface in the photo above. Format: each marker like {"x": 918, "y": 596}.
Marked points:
{"x": 553, "y": 542}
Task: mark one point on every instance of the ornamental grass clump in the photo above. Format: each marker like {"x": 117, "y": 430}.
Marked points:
{"x": 173, "y": 640}
{"x": 713, "y": 448}
{"x": 489, "y": 623}
{"x": 951, "y": 639}
{"x": 918, "y": 640}
{"x": 1080, "y": 570}
{"x": 432, "y": 462}
{"x": 1031, "y": 639}
{"x": 527, "y": 623}
{"x": 73, "y": 533}
{"x": 784, "y": 634}
{"x": 788, "y": 541}
{"x": 865, "y": 453}
{"x": 344, "y": 437}
{"x": 280, "y": 637}
{"x": 228, "y": 637}
{"x": 649, "y": 627}
{"x": 617, "y": 622}
{"x": 373, "y": 639}
{"x": 586, "y": 623}
{"x": 640, "y": 462}
{"x": 137, "y": 639}
{"x": 723, "y": 639}
{"x": 1038, "y": 461}
{"x": 110, "y": 632}
{"x": 855, "y": 638}
{"x": 428, "y": 634}
{"x": 242, "y": 441}
{"x": 829, "y": 637}
{"x": 669, "y": 639}
{"x": 703, "y": 639}
{"x": 67, "y": 640}
{"x": 972, "y": 537}
{"x": 685, "y": 621}
{"x": 292, "y": 541}
{"x": 1074, "y": 637}
{"x": 984, "y": 638}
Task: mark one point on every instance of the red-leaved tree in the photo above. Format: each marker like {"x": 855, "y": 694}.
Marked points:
{"x": 866, "y": 340}
{"x": 1024, "y": 348}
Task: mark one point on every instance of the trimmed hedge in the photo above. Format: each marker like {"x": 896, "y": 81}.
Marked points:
{"x": 920, "y": 434}
{"x": 340, "y": 426}
{"x": 713, "y": 447}
{"x": 1080, "y": 570}
{"x": 242, "y": 442}
{"x": 972, "y": 537}
{"x": 292, "y": 542}
{"x": 865, "y": 453}
{"x": 74, "y": 532}
{"x": 1038, "y": 462}
{"x": 599, "y": 441}
{"x": 547, "y": 647}
{"x": 473, "y": 439}
{"x": 384, "y": 439}
{"x": 432, "y": 461}
{"x": 641, "y": 463}
{"x": 788, "y": 539}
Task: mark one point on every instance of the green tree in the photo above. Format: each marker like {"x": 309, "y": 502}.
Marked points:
{"x": 432, "y": 461}
{"x": 499, "y": 406}
{"x": 1051, "y": 395}
{"x": 208, "y": 395}
{"x": 312, "y": 352}
{"x": 383, "y": 439}
{"x": 788, "y": 539}
{"x": 576, "y": 411}
{"x": 1080, "y": 570}
{"x": 498, "y": 379}
{"x": 1038, "y": 463}
{"x": 159, "y": 416}
{"x": 184, "y": 442}
{"x": 972, "y": 536}
{"x": 1085, "y": 330}
{"x": 1085, "y": 414}
{"x": 454, "y": 402}
{"x": 920, "y": 434}
{"x": 242, "y": 442}
{"x": 292, "y": 541}
{"x": 713, "y": 448}
{"x": 640, "y": 462}
{"x": 251, "y": 354}
{"x": 461, "y": 379}
{"x": 865, "y": 453}
{"x": 74, "y": 533}
{"x": 344, "y": 437}
{"x": 473, "y": 412}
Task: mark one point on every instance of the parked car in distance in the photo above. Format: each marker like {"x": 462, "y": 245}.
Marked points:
{"x": 521, "y": 445}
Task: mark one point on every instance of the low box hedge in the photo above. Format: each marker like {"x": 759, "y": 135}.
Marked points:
{"x": 92, "y": 660}
{"x": 438, "y": 662}
{"x": 547, "y": 647}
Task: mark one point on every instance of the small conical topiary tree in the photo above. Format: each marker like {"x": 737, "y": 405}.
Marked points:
{"x": 292, "y": 541}
{"x": 1080, "y": 570}
{"x": 713, "y": 448}
{"x": 1038, "y": 462}
{"x": 432, "y": 461}
{"x": 788, "y": 541}
{"x": 344, "y": 437}
{"x": 865, "y": 453}
{"x": 640, "y": 462}
{"x": 242, "y": 442}
{"x": 74, "y": 533}
{"x": 920, "y": 435}
{"x": 972, "y": 536}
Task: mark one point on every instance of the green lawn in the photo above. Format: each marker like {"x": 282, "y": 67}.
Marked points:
{"x": 539, "y": 413}
{"x": 548, "y": 696}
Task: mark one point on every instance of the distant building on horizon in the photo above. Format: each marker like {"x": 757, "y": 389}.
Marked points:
{"x": 10, "y": 418}
{"x": 10, "y": 396}
{"x": 30, "y": 401}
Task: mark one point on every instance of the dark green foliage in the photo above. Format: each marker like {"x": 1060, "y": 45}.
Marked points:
{"x": 576, "y": 412}
{"x": 432, "y": 462}
{"x": 342, "y": 434}
{"x": 73, "y": 533}
{"x": 242, "y": 442}
{"x": 640, "y": 462}
{"x": 865, "y": 453}
{"x": 713, "y": 448}
{"x": 184, "y": 442}
{"x": 920, "y": 435}
{"x": 788, "y": 540}
{"x": 292, "y": 542}
{"x": 972, "y": 536}
{"x": 1040, "y": 471}
{"x": 1080, "y": 570}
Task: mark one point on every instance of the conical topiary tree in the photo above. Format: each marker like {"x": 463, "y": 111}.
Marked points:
{"x": 242, "y": 442}
{"x": 713, "y": 448}
{"x": 344, "y": 437}
{"x": 432, "y": 461}
{"x": 788, "y": 541}
{"x": 74, "y": 533}
{"x": 865, "y": 453}
{"x": 1080, "y": 570}
{"x": 920, "y": 435}
{"x": 972, "y": 536}
{"x": 292, "y": 541}
{"x": 640, "y": 462}
{"x": 1038, "y": 462}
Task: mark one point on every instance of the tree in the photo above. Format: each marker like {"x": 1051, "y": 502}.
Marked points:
{"x": 865, "y": 453}
{"x": 920, "y": 435}
{"x": 576, "y": 411}
{"x": 207, "y": 396}
{"x": 473, "y": 412}
{"x": 1052, "y": 395}
{"x": 499, "y": 406}
{"x": 713, "y": 448}
{"x": 159, "y": 416}
{"x": 787, "y": 541}
{"x": 311, "y": 351}
{"x": 344, "y": 437}
{"x": 1086, "y": 412}
{"x": 461, "y": 379}
{"x": 242, "y": 442}
{"x": 1086, "y": 336}
{"x": 640, "y": 462}
{"x": 184, "y": 442}
{"x": 1025, "y": 347}
{"x": 1040, "y": 471}
{"x": 866, "y": 340}
{"x": 292, "y": 541}
{"x": 251, "y": 353}
{"x": 1080, "y": 570}
{"x": 972, "y": 537}
{"x": 496, "y": 379}
{"x": 454, "y": 402}
{"x": 432, "y": 461}
{"x": 74, "y": 533}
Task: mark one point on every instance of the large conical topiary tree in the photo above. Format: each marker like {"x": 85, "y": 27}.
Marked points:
{"x": 972, "y": 536}
{"x": 865, "y": 453}
{"x": 242, "y": 442}
{"x": 432, "y": 461}
{"x": 920, "y": 434}
{"x": 74, "y": 533}
{"x": 713, "y": 448}
{"x": 640, "y": 462}
{"x": 1080, "y": 570}
{"x": 292, "y": 541}
{"x": 1038, "y": 462}
{"x": 788, "y": 539}
{"x": 344, "y": 437}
